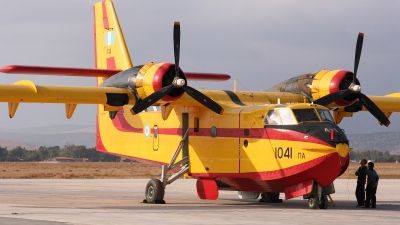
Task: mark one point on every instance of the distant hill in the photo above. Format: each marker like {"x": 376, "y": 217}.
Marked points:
{"x": 365, "y": 123}
{"x": 387, "y": 141}
{"x": 13, "y": 144}
{"x": 59, "y": 135}
{"x": 365, "y": 133}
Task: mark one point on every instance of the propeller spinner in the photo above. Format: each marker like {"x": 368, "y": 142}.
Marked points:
{"x": 177, "y": 83}
{"x": 354, "y": 88}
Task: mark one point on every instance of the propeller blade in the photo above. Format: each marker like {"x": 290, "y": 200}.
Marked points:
{"x": 328, "y": 99}
{"x": 177, "y": 40}
{"x": 151, "y": 99}
{"x": 357, "y": 57}
{"x": 373, "y": 109}
{"x": 206, "y": 101}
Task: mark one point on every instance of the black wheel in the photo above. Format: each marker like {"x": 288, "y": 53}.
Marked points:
{"x": 269, "y": 197}
{"x": 154, "y": 191}
{"x": 313, "y": 202}
{"x": 323, "y": 204}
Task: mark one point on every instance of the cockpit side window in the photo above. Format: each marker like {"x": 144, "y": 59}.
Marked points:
{"x": 272, "y": 118}
{"x": 305, "y": 115}
{"x": 325, "y": 115}
{"x": 287, "y": 116}
{"x": 280, "y": 117}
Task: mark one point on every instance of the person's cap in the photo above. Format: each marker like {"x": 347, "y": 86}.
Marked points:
{"x": 363, "y": 160}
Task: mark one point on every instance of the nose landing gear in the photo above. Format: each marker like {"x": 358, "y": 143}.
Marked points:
{"x": 318, "y": 198}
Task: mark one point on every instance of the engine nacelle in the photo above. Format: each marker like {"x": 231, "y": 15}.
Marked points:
{"x": 153, "y": 77}
{"x": 329, "y": 81}
{"x": 318, "y": 84}
{"x": 144, "y": 80}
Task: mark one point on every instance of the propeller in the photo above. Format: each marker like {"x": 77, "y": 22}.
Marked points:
{"x": 177, "y": 83}
{"x": 354, "y": 88}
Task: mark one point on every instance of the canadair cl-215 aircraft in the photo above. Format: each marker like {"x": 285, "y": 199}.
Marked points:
{"x": 284, "y": 140}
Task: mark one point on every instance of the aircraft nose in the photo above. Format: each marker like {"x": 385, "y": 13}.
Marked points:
{"x": 344, "y": 153}
{"x": 343, "y": 149}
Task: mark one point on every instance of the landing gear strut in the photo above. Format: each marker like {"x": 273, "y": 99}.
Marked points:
{"x": 155, "y": 189}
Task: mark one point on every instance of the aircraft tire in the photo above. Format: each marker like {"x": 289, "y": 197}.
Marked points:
{"x": 154, "y": 191}
{"x": 269, "y": 197}
{"x": 313, "y": 202}
{"x": 324, "y": 202}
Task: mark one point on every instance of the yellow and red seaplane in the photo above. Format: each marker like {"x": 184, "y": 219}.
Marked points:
{"x": 283, "y": 140}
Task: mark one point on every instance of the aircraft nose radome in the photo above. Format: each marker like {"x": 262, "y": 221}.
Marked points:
{"x": 343, "y": 149}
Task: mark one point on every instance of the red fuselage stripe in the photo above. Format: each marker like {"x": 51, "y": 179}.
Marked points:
{"x": 121, "y": 124}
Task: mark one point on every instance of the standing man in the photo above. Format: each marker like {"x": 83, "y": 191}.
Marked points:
{"x": 362, "y": 174}
{"x": 372, "y": 184}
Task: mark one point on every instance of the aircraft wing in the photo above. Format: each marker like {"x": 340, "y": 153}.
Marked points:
{"x": 388, "y": 104}
{"x": 26, "y": 91}
{"x": 94, "y": 72}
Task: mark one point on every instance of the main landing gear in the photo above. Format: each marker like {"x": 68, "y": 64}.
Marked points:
{"x": 155, "y": 192}
{"x": 270, "y": 197}
{"x": 155, "y": 189}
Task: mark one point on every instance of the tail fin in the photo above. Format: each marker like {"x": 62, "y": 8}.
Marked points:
{"x": 110, "y": 53}
{"x": 109, "y": 42}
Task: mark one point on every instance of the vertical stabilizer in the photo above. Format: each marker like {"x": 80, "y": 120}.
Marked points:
{"x": 109, "y": 43}
{"x": 110, "y": 52}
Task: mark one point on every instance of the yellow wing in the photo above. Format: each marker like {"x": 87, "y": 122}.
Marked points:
{"x": 26, "y": 91}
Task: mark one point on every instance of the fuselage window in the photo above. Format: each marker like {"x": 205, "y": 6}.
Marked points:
{"x": 213, "y": 131}
{"x": 305, "y": 115}
{"x": 196, "y": 124}
{"x": 156, "y": 140}
{"x": 155, "y": 131}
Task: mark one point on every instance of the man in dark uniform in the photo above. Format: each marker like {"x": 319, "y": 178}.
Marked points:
{"x": 372, "y": 184}
{"x": 362, "y": 174}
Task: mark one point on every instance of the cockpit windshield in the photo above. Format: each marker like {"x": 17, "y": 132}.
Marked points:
{"x": 325, "y": 115}
{"x": 288, "y": 116}
{"x": 305, "y": 115}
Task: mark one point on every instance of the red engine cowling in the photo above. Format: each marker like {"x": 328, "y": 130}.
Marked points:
{"x": 329, "y": 81}
{"x": 152, "y": 77}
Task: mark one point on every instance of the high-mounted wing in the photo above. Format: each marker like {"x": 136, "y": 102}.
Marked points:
{"x": 93, "y": 72}
{"x": 26, "y": 91}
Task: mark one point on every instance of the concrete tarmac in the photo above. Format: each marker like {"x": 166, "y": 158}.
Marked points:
{"x": 118, "y": 201}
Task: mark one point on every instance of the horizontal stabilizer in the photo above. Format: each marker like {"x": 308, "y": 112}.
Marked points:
{"x": 93, "y": 72}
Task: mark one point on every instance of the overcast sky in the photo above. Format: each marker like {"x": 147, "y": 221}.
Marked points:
{"x": 260, "y": 43}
